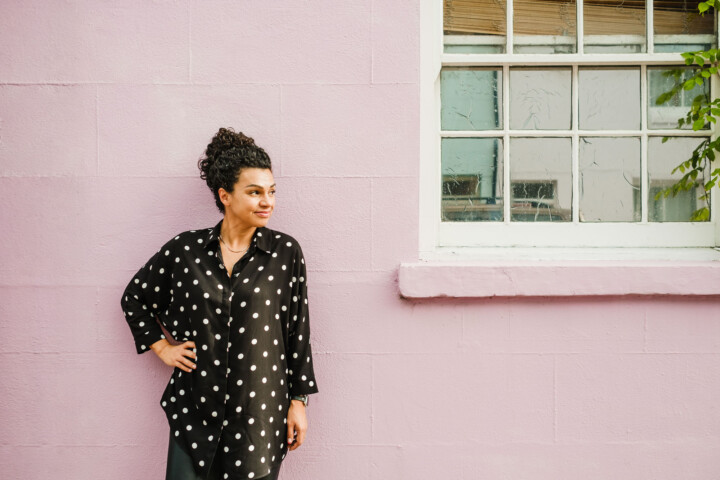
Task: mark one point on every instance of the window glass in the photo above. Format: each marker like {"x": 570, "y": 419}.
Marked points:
{"x": 475, "y": 26}
{"x": 471, "y": 98}
{"x": 609, "y": 178}
{"x": 678, "y": 27}
{"x": 661, "y": 80}
{"x": 662, "y": 159}
{"x": 541, "y": 179}
{"x": 609, "y": 98}
{"x": 614, "y": 26}
{"x": 472, "y": 179}
{"x": 540, "y": 26}
{"x": 540, "y": 99}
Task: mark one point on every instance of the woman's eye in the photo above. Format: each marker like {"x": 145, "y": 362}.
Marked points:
{"x": 272, "y": 192}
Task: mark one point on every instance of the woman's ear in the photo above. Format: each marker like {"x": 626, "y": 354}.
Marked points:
{"x": 224, "y": 196}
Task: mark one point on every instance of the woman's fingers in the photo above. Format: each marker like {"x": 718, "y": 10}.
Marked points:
{"x": 290, "y": 432}
{"x": 189, "y": 349}
{"x": 187, "y": 362}
{"x": 300, "y": 438}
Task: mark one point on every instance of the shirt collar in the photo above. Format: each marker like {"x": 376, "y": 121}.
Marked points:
{"x": 261, "y": 237}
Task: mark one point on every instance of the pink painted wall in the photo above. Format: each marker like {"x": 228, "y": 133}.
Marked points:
{"x": 105, "y": 107}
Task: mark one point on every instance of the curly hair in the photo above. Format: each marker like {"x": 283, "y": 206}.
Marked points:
{"x": 225, "y": 156}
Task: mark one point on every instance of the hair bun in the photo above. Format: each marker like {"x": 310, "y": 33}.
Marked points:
{"x": 224, "y": 140}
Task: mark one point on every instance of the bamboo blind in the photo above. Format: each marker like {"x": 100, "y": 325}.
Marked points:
{"x": 557, "y": 17}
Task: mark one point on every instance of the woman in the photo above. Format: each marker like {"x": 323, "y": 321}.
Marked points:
{"x": 235, "y": 298}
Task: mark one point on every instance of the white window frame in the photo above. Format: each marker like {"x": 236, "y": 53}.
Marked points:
{"x": 438, "y": 238}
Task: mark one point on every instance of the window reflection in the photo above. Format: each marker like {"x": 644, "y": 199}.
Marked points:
{"x": 661, "y": 80}
{"x": 472, "y": 179}
{"x": 662, "y": 159}
{"x": 541, "y": 180}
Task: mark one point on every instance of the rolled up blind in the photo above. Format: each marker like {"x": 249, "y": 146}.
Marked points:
{"x": 558, "y": 17}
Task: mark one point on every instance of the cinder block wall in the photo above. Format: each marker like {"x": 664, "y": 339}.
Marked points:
{"x": 105, "y": 108}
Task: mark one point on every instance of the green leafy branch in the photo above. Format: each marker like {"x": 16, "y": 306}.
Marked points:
{"x": 703, "y": 65}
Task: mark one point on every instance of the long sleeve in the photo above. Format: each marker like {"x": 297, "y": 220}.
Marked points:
{"x": 148, "y": 294}
{"x": 301, "y": 376}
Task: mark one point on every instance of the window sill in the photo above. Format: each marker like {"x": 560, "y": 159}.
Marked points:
{"x": 562, "y": 272}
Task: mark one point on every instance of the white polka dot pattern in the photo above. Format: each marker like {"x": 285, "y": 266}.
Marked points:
{"x": 252, "y": 342}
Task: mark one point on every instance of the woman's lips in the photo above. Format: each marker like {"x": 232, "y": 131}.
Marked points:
{"x": 263, "y": 214}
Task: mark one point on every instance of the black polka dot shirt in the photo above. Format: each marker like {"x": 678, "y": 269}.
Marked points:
{"x": 252, "y": 334}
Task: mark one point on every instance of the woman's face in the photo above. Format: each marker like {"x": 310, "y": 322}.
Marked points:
{"x": 253, "y": 197}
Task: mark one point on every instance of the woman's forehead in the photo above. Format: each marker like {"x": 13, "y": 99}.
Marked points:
{"x": 261, "y": 177}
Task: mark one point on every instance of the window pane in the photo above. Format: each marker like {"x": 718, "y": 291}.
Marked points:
{"x": 609, "y": 178}
{"x": 662, "y": 158}
{"x": 609, "y": 98}
{"x": 541, "y": 179}
{"x": 471, "y": 99}
{"x": 614, "y": 26}
{"x": 544, "y": 27}
{"x": 678, "y": 26}
{"x": 660, "y": 80}
{"x": 480, "y": 24}
{"x": 472, "y": 179}
{"x": 540, "y": 99}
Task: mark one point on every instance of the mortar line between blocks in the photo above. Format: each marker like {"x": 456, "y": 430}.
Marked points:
{"x": 282, "y": 131}
{"x": 97, "y": 130}
{"x": 372, "y": 399}
{"x": 645, "y": 339}
{"x": 372, "y": 44}
{"x": 372, "y": 224}
{"x": 555, "y": 401}
{"x": 189, "y": 20}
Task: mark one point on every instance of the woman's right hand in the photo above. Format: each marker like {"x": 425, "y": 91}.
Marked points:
{"x": 181, "y": 356}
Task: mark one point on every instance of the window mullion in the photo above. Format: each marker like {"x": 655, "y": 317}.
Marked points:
{"x": 507, "y": 194}
{"x": 575, "y": 95}
{"x": 644, "y": 201}
{"x": 509, "y": 26}
{"x": 649, "y": 32}
{"x": 580, "y": 28}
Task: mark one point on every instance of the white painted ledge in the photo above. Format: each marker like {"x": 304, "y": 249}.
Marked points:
{"x": 552, "y": 277}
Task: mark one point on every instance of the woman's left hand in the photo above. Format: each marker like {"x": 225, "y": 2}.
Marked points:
{"x": 296, "y": 424}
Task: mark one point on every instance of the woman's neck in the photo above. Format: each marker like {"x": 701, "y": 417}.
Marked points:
{"x": 235, "y": 234}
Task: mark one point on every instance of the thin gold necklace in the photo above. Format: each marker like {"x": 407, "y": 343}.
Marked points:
{"x": 228, "y": 247}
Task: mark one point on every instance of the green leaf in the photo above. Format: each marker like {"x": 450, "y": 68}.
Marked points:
{"x": 699, "y": 81}
{"x": 664, "y": 97}
{"x": 701, "y": 215}
{"x": 699, "y": 124}
{"x": 665, "y": 139}
{"x": 703, "y": 7}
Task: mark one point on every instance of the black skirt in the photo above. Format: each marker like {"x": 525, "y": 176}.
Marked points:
{"x": 180, "y": 465}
